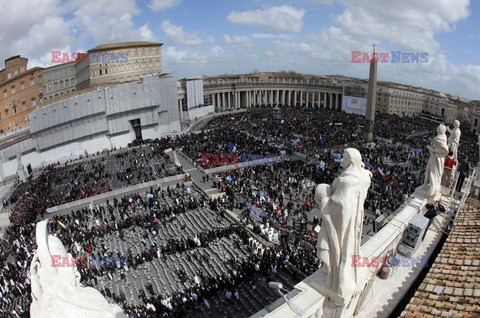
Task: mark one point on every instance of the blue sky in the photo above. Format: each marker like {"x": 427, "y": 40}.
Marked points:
{"x": 213, "y": 37}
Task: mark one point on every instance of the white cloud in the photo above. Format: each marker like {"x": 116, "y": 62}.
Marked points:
{"x": 195, "y": 62}
{"x": 272, "y": 19}
{"x": 65, "y": 26}
{"x": 217, "y": 51}
{"x": 238, "y": 41}
{"x": 159, "y": 5}
{"x": 408, "y": 25}
{"x": 270, "y": 36}
{"x": 110, "y": 23}
{"x": 146, "y": 34}
{"x": 41, "y": 30}
{"x": 176, "y": 35}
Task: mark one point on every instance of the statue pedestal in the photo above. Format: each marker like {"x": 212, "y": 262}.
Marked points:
{"x": 335, "y": 305}
{"x": 22, "y": 175}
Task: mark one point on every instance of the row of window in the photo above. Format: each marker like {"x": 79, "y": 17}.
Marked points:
{"x": 112, "y": 69}
{"x": 59, "y": 85}
{"x": 16, "y": 72}
{"x": 62, "y": 72}
{"x": 58, "y": 95}
{"x": 13, "y": 88}
{"x": 15, "y": 109}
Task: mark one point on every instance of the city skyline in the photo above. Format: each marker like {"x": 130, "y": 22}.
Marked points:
{"x": 308, "y": 36}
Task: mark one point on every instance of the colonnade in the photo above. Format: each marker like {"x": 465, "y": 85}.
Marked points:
{"x": 236, "y": 99}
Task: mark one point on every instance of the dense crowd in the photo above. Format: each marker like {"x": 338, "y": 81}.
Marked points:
{"x": 281, "y": 195}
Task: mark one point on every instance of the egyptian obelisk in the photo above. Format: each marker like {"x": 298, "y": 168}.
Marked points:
{"x": 371, "y": 100}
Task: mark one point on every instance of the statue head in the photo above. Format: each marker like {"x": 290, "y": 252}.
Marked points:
{"x": 456, "y": 124}
{"x": 351, "y": 158}
{"x": 441, "y": 129}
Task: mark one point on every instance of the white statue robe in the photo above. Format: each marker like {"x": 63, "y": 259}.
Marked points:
{"x": 340, "y": 235}
{"x": 56, "y": 291}
{"x": 454, "y": 141}
{"x": 434, "y": 169}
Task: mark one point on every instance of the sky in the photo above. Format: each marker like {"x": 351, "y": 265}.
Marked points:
{"x": 214, "y": 37}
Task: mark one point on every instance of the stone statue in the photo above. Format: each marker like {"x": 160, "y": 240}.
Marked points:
{"x": 454, "y": 138}
{"x": 341, "y": 209}
{"x": 20, "y": 170}
{"x": 56, "y": 291}
{"x": 434, "y": 170}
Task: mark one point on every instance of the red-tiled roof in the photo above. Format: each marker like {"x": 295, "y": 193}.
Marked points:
{"x": 452, "y": 286}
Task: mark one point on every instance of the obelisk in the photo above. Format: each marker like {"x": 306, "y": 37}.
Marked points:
{"x": 371, "y": 100}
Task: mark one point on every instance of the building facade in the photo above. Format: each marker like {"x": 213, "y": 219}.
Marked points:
{"x": 118, "y": 63}
{"x": 21, "y": 93}
{"x": 58, "y": 80}
{"x": 399, "y": 102}
{"x": 262, "y": 89}
{"x": 102, "y": 119}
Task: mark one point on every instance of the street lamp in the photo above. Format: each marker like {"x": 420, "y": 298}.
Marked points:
{"x": 278, "y": 287}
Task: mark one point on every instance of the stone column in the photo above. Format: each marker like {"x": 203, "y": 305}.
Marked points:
{"x": 301, "y": 98}
{"x": 295, "y": 98}
{"x": 331, "y": 101}
{"x": 306, "y": 98}
{"x": 224, "y": 100}
{"x": 371, "y": 102}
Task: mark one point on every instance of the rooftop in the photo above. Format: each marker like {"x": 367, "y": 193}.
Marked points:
{"x": 122, "y": 45}
{"x": 452, "y": 286}
{"x": 12, "y": 57}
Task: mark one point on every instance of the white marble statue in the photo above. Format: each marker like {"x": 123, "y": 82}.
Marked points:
{"x": 434, "y": 170}
{"x": 454, "y": 138}
{"x": 20, "y": 170}
{"x": 56, "y": 291}
{"x": 341, "y": 209}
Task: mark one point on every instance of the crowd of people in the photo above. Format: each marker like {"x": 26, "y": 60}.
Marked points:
{"x": 281, "y": 196}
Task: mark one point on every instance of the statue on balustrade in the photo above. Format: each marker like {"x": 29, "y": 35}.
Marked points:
{"x": 454, "y": 138}
{"x": 56, "y": 291}
{"x": 341, "y": 209}
{"x": 434, "y": 170}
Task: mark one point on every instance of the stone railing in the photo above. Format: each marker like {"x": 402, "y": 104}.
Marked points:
{"x": 310, "y": 295}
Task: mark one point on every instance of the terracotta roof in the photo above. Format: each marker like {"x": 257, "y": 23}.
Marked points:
{"x": 452, "y": 286}
{"x": 122, "y": 45}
